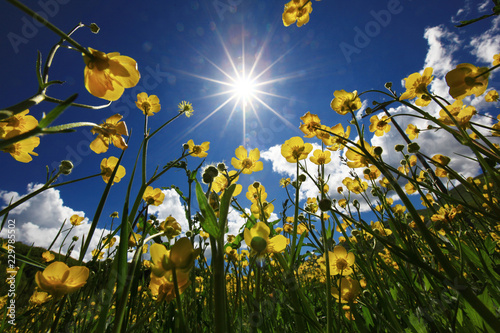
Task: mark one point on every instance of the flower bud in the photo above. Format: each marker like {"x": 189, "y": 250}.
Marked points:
{"x": 355, "y": 203}
{"x": 75, "y": 238}
{"x": 94, "y": 28}
{"x": 399, "y": 148}
{"x": 378, "y": 150}
{"x": 221, "y": 167}
{"x": 413, "y": 147}
{"x": 325, "y": 204}
{"x": 302, "y": 178}
{"x": 388, "y": 85}
{"x": 66, "y": 167}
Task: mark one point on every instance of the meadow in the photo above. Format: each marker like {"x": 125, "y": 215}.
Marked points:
{"x": 324, "y": 265}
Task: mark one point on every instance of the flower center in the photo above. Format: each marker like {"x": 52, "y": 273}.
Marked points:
{"x": 259, "y": 244}
{"x": 246, "y": 163}
{"x": 342, "y": 264}
{"x": 197, "y": 149}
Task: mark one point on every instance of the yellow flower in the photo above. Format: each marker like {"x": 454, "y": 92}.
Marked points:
{"x": 20, "y": 123}
{"x": 310, "y": 122}
{"x": 320, "y": 157}
{"x": 324, "y": 134}
{"x": 412, "y": 131}
{"x": 410, "y": 188}
{"x": 39, "y": 297}
{"x": 284, "y": 182}
{"x": 340, "y": 261}
{"x": 170, "y": 227}
{"x": 22, "y": 150}
{"x": 379, "y": 126}
{"x": 198, "y": 151}
{"x": 110, "y": 131}
{"x": 462, "y": 114}
{"x": 357, "y": 158}
{"x": 247, "y": 162}
{"x": 416, "y": 86}
{"x": 345, "y": 102}
{"x": 48, "y": 256}
{"x": 496, "y": 59}
{"x": 338, "y": 142}
{"x": 257, "y": 238}
{"x": 429, "y": 198}
{"x": 181, "y": 257}
{"x": 311, "y": 205}
{"x": 153, "y": 196}
{"x": 256, "y": 192}
{"x": 99, "y": 255}
{"x": 379, "y": 228}
{"x": 149, "y": 105}
{"x": 297, "y": 10}
{"x": 446, "y": 214}
{"x": 163, "y": 287}
{"x": 204, "y": 234}
{"x": 76, "y": 220}
{"x": 398, "y": 209}
{"x": 58, "y": 279}
{"x": 221, "y": 182}
{"x": 464, "y": 81}
{"x": 133, "y": 239}
{"x": 295, "y": 149}
{"x": 111, "y": 242}
{"x": 349, "y": 290}
{"x": 267, "y": 209}
{"x": 491, "y": 96}
{"x": 355, "y": 185}
{"x": 108, "y": 165}
{"x": 371, "y": 173}
{"x": 186, "y": 108}
{"x": 107, "y": 75}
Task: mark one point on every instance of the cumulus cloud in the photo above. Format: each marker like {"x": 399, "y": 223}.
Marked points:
{"x": 442, "y": 55}
{"x": 39, "y": 220}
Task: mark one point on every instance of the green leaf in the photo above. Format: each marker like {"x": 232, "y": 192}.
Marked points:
{"x": 209, "y": 222}
{"x": 56, "y": 112}
{"x": 224, "y": 206}
{"x": 67, "y": 127}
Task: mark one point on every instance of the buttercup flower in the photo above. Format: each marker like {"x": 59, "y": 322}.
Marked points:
{"x": 110, "y": 131}
{"x": 464, "y": 80}
{"x": 198, "y": 151}
{"x": 491, "y": 96}
{"x": 349, "y": 289}
{"x": 412, "y": 131}
{"x": 380, "y": 126}
{"x": 186, "y": 108}
{"x": 153, "y": 196}
{"x": 247, "y": 162}
{"x": 48, "y": 256}
{"x": 99, "y": 255}
{"x": 181, "y": 257}
{"x": 357, "y": 158}
{"x": 170, "y": 227}
{"x": 163, "y": 287}
{"x": 295, "y": 149}
{"x": 39, "y": 297}
{"x": 107, "y": 75}
{"x": 267, "y": 209}
{"x": 297, "y": 11}
{"x": 462, "y": 114}
{"x": 355, "y": 185}
{"x": 58, "y": 279}
{"x": 340, "y": 261}
{"x": 320, "y": 157}
{"x": 22, "y": 150}
{"x": 221, "y": 182}
{"x": 19, "y": 123}
{"x": 416, "y": 86}
{"x": 496, "y": 60}
{"x": 257, "y": 238}
{"x": 76, "y": 219}
{"x": 108, "y": 165}
{"x": 310, "y": 122}
{"x": 149, "y": 105}
{"x": 338, "y": 142}
{"x": 256, "y": 192}
{"x": 345, "y": 102}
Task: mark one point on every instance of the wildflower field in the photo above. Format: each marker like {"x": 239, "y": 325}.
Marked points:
{"x": 376, "y": 260}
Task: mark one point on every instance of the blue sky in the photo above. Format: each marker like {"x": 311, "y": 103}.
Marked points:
{"x": 183, "y": 48}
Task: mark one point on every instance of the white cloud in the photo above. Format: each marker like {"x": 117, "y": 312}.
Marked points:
{"x": 486, "y": 45}
{"x": 39, "y": 220}
{"x": 442, "y": 45}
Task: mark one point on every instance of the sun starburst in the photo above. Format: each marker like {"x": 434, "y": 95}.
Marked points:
{"x": 245, "y": 87}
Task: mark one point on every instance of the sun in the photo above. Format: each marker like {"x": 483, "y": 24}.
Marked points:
{"x": 244, "y": 86}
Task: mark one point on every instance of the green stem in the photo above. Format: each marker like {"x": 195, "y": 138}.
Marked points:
{"x": 295, "y": 217}
{"x": 183, "y": 327}
{"x": 49, "y": 25}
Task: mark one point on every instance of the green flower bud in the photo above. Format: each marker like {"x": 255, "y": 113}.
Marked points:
{"x": 378, "y": 150}
{"x": 325, "y": 204}
{"x": 302, "y": 178}
{"x": 66, "y": 167}
{"x": 413, "y": 148}
{"x": 259, "y": 244}
{"x": 399, "y": 148}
